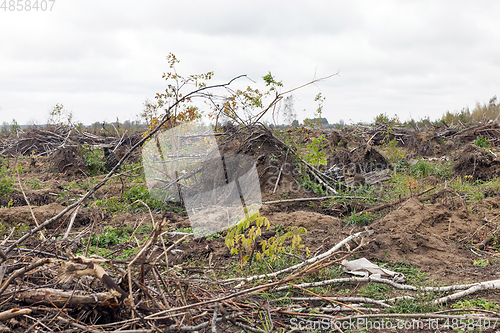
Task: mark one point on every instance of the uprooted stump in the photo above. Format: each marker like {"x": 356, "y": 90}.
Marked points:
{"x": 69, "y": 161}
{"x": 476, "y": 163}
{"x": 273, "y": 159}
{"x": 428, "y": 143}
{"x": 362, "y": 159}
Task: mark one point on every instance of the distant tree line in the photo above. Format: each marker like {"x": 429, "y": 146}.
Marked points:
{"x": 481, "y": 112}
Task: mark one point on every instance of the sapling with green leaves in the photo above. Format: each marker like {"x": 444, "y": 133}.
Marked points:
{"x": 317, "y": 157}
{"x": 243, "y": 239}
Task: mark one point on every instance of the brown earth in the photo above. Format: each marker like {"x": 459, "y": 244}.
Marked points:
{"x": 434, "y": 236}
{"x": 477, "y": 163}
{"x": 22, "y": 214}
{"x": 427, "y": 143}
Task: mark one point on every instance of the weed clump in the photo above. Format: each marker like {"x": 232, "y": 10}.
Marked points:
{"x": 6, "y": 181}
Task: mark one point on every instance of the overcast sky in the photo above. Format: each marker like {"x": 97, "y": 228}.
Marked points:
{"x": 103, "y": 59}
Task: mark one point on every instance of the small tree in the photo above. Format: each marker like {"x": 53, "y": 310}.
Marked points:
{"x": 14, "y": 126}
{"x": 60, "y": 116}
{"x": 243, "y": 239}
{"x": 318, "y": 114}
{"x": 5, "y": 127}
{"x": 149, "y": 111}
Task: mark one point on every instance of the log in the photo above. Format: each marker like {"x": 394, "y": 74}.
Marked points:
{"x": 60, "y": 298}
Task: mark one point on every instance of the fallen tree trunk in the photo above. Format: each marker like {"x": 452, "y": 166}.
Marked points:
{"x": 59, "y": 298}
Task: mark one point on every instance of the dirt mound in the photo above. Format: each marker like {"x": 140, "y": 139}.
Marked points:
{"x": 476, "y": 163}
{"x": 309, "y": 220}
{"x": 343, "y": 209}
{"x": 15, "y": 215}
{"x": 69, "y": 161}
{"x": 430, "y": 236}
{"x": 35, "y": 199}
{"x": 362, "y": 159}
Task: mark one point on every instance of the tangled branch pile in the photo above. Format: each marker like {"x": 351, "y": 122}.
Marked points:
{"x": 45, "y": 141}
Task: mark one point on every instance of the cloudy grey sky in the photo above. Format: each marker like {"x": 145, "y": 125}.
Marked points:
{"x": 102, "y": 59}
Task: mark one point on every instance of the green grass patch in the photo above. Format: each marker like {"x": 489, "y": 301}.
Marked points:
{"x": 423, "y": 168}
{"x": 114, "y": 236}
{"x": 309, "y": 184}
{"x": 129, "y": 201}
{"x": 476, "y": 304}
{"x": 6, "y": 181}
{"x": 361, "y": 219}
{"x": 482, "y": 142}
{"x": 94, "y": 160}
{"x": 475, "y": 190}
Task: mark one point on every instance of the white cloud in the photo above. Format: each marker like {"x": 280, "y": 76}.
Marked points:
{"x": 103, "y": 59}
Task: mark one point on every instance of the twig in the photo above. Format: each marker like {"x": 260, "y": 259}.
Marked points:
{"x": 488, "y": 285}
{"x": 344, "y": 299}
{"x": 326, "y": 298}
{"x": 314, "y": 199}
{"x": 243, "y": 292}
{"x": 9, "y": 314}
{"x": 281, "y": 170}
{"x": 384, "y": 281}
{"x": 42, "y": 236}
{"x": 71, "y": 221}
{"x": 23, "y": 270}
{"x": 214, "y": 319}
{"x": 387, "y": 205}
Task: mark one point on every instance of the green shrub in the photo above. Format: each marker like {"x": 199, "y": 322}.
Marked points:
{"x": 361, "y": 219}
{"x": 110, "y": 236}
{"x": 424, "y": 168}
{"x": 482, "y": 142}
{"x": 307, "y": 183}
{"x": 243, "y": 239}
{"x": 140, "y": 192}
{"x": 94, "y": 160}
{"x": 317, "y": 156}
{"x": 6, "y": 181}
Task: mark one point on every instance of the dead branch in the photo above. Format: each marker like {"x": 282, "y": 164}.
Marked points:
{"x": 314, "y": 199}
{"x": 344, "y": 299}
{"x": 42, "y": 237}
{"x": 487, "y": 285}
{"x": 22, "y": 271}
{"x": 60, "y": 298}
{"x": 9, "y": 314}
{"x": 82, "y": 266}
{"x": 388, "y": 205}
